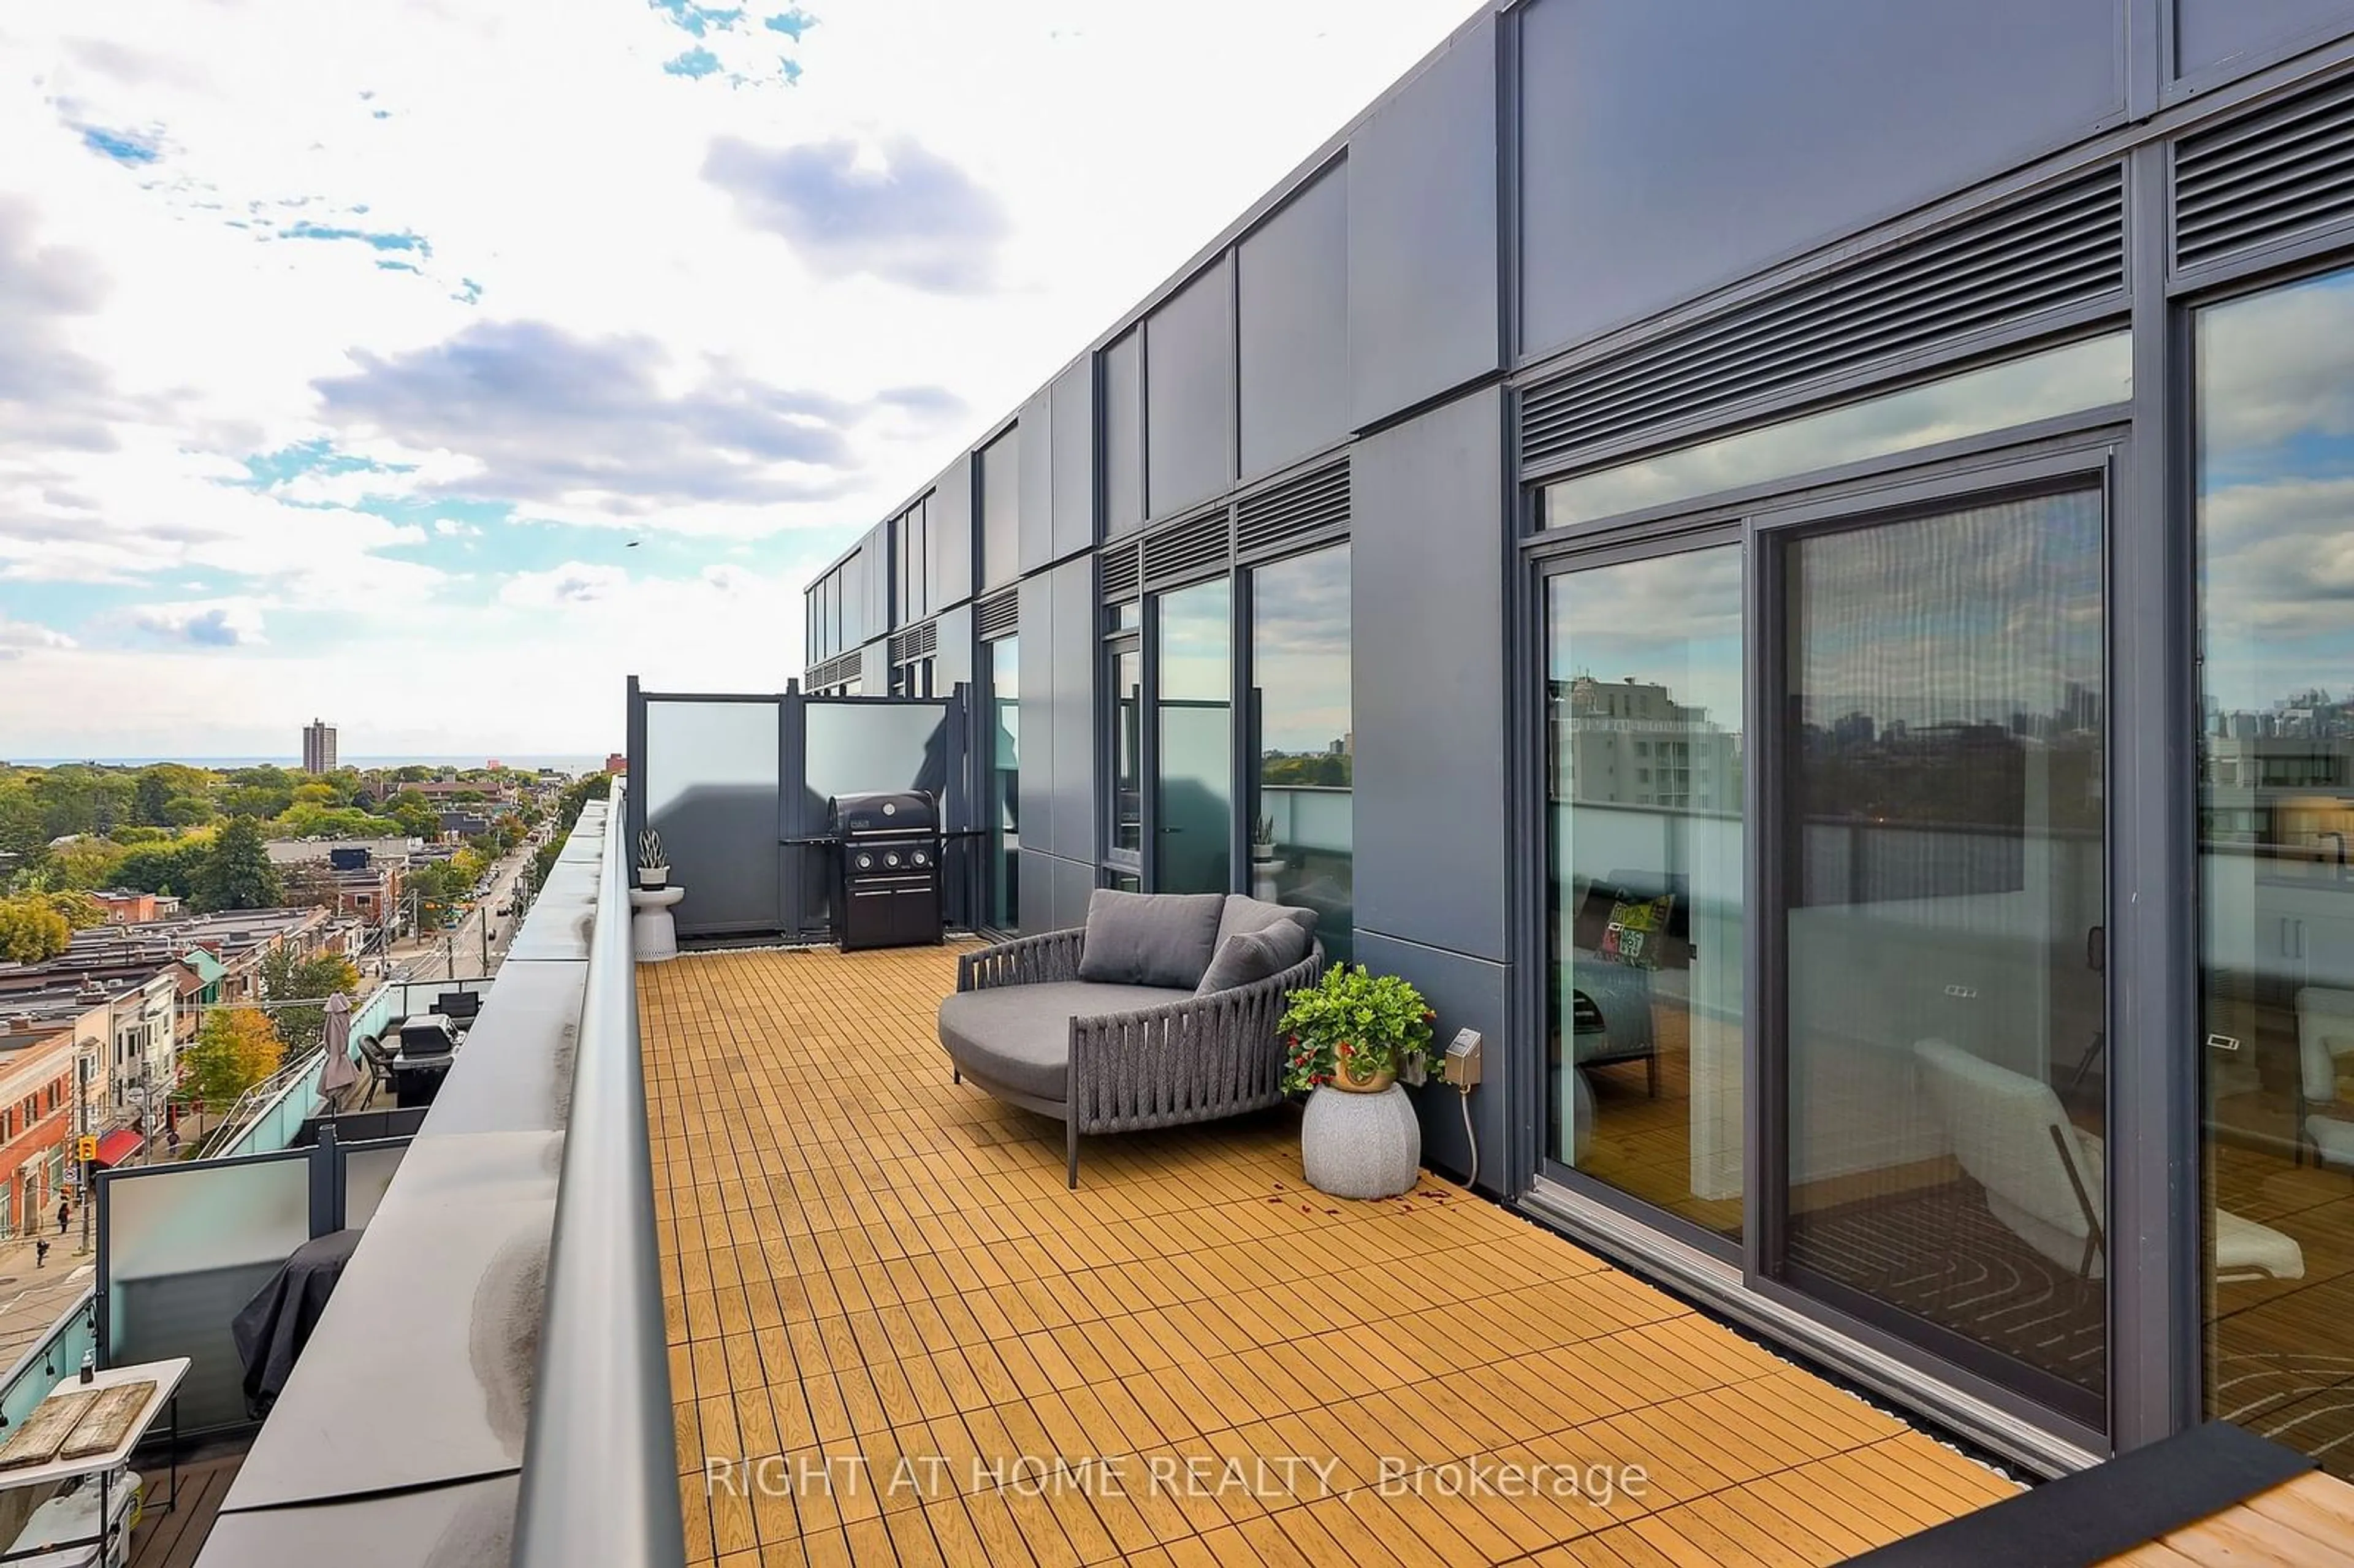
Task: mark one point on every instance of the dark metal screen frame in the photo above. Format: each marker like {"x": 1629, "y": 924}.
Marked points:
{"x": 963, "y": 882}
{"x": 2089, "y": 464}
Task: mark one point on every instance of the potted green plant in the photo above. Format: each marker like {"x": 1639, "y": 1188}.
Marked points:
{"x": 1264, "y": 860}
{"x": 654, "y": 868}
{"x": 1347, "y": 1039}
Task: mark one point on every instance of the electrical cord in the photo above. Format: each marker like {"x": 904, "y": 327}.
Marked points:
{"x": 1469, "y": 1137}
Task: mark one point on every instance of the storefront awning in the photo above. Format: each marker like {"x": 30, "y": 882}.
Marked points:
{"x": 120, "y": 1145}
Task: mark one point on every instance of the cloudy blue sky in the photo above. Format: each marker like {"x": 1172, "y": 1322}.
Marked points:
{"x": 344, "y": 348}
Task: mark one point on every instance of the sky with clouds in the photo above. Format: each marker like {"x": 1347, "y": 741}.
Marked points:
{"x": 431, "y": 366}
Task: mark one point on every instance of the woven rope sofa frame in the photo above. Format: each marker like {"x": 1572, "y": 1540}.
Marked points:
{"x": 1165, "y": 1065}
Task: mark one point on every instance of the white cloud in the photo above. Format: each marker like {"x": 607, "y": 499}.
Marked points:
{"x": 205, "y": 623}
{"x": 17, "y": 636}
{"x": 303, "y": 194}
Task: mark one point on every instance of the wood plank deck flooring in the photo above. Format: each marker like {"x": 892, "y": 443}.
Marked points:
{"x": 173, "y": 1539}
{"x": 894, "y": 1337}
{"x": 2305, "y": 1523}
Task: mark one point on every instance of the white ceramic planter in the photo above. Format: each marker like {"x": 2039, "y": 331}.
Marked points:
{"x": 1361, "y": 1145}
{"x": 653, "y": 876}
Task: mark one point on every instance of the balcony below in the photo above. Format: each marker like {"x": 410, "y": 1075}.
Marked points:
{"x": 895, "y": 1336}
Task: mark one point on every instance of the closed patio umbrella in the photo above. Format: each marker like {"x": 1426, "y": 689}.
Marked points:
{"x": 337, "y": 1073}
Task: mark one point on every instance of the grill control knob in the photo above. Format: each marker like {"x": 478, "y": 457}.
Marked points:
{"x": 865, "y": 862}
{"x": 922, "y": 859}
{"x": 890, "y": 859}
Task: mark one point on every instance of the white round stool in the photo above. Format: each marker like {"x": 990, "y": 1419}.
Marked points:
{"x": 654, "y": 935}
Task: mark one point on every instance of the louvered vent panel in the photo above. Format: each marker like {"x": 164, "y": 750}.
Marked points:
{"x": 1186, "y": 548}
{"x": 916, "y": 643}
{"x": 2063, "y": 247}
{"x": 2284, "y": 171}
{"x": 1122, "y": 573}
{"x": 836, "y": 670}
{"x": 1303, "y": 505}
{"x": 999, "y": 615}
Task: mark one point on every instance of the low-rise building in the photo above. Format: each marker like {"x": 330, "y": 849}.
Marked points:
{"x": 128, "y": 907}
{"x": 36, "y": 1116}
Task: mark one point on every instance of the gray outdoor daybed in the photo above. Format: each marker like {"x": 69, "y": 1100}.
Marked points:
{"x": 1162, "y": 1009}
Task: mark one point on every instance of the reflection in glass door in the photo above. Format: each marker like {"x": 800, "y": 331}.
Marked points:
{"x": 1004, "y": 661}
{"x": 2275, "y": 380}
{"x": 1643, "y": 703}
{"x": 1303, "y": 743}
{"x": 1193, "y": 789}
{"x": 1942, "y": 869}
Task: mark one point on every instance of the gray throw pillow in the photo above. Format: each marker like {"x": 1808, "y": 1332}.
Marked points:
{"x": 1148, "y": 939}
{"x": 1243, "y": 913}
{"x": 1248, "y": 956}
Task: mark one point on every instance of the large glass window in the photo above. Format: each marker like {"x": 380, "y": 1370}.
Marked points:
{"x": 2275, "y": 513}
{"x": 1942, "y": 823}
{"x": 1301, "y": 830}
{"x": 1193, "y": 797}
{"x": 1644, "y": 735}
{"x": 1004, "y": 658}
{"x": 2042, "y": 385}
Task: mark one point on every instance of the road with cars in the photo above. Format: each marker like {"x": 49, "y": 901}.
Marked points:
{"x": 463, "y": 950}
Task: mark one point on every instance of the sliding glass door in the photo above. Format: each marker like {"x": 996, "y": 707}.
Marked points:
{"x": 1644, "y": 905}
{"x": 1936, "y": 814}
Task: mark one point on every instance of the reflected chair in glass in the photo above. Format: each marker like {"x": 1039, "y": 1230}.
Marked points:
{"x": 2324, "y": 1033}
{"x": 2043, "y": 1177}
{"x": 1610, "y": 1004}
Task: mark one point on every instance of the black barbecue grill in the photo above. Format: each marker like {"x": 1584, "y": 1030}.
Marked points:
{"x": 888, "y": 895}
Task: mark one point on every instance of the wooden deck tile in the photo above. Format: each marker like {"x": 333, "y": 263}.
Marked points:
{"x": 871, "y": 1274}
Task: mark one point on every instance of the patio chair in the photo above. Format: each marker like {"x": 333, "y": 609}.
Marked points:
{"x": 379, "y": 1059}
{"x": 1130, "y": 1022}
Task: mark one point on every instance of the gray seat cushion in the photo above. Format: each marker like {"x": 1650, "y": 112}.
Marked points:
{"x": 1019, "y": 1036}
{"x": 1243, "y": 913}
{"x": 1149, "y": 939}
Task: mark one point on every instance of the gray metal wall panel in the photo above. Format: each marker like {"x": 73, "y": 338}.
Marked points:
{"x": 2208, "y": 32}
{"x": 1292, "y": 283}
{"x": 1426, "y": 600}
{"x": 1069, "y": 884}
{"x": 1669, "y": 149}
{"x": 1037, "y": 911}
{"x": 1036, "y": 629}
{"x": 874, "y": 561}
{"x": 953, "y": 659}
{"x": 1123, "y": 434}
{"x": 1423, "y": 236}
{"x": 953, "y": 545}
{"x": 1466, "y": 993}
{"x": 875, "y": 669}
{"x": 1071, "y": 721}
{"x": 1001, "y": 509}
{"x": 1073, "y": 397}
{"x": 1189, "y": 393}
{"x": 1036, "y": 431}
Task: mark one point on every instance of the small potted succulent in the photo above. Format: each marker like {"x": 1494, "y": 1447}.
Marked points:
{"x": 1347, "y": 1039}
{"x": 653, "y": 870}
{"x": 1264, "y": 860}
